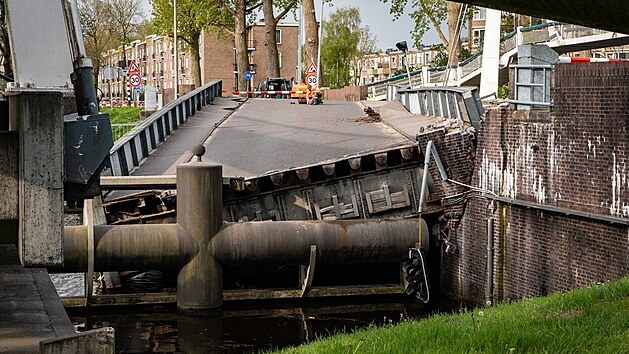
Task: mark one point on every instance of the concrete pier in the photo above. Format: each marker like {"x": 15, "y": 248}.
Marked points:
{"x": 38, "y": 117}
{"x": 30, "y": 309}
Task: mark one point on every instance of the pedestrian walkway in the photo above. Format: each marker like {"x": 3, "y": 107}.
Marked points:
{"x": 30, "y": 309}
{"x": 177, "y": 149}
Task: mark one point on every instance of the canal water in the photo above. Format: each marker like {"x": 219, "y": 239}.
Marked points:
{"x": 241, "y": 327}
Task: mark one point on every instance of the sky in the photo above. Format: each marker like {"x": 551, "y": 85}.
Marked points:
{"x": 375, "y": 14}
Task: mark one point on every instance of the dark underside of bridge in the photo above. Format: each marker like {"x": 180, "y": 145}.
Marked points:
{"x": 611, "y": 15}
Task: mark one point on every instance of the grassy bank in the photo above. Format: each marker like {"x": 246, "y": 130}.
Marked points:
{"x": 122, "y": 115}
{"x": 594, "y": 319}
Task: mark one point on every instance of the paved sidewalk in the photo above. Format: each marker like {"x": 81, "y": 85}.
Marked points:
{"x": 30, "y": 309}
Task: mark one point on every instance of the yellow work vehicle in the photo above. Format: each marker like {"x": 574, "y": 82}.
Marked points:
{"x": 304, "y": 94}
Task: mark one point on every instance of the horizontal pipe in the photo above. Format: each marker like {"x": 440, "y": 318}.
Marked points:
{"x": 128, "y": 247}
{"x": 338, "y": 242}
{"x": 168, "y": 246}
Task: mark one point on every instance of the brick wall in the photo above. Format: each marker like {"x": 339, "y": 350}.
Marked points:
{"x": 349, "y": 93}
{"x": 573, "y": 156}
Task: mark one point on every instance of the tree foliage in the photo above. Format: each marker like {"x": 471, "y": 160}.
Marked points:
{"x": 339, "y": 46}
{"x": 366, "y": 45}
{"x": 5, "y": 49}
{"x": 432, "y": 13}
{"x": 98, "y": 31}
{"x": 193, "y": 17}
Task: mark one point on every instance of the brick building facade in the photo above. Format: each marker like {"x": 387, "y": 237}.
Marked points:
{"x": 155, "y": 58}
{"x": 218, "y": 61}
{"x": 573, "y": 156}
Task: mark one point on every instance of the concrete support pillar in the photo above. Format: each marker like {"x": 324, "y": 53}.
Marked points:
{"x": 199, "y": 212}
{"x": 9, "y": 186}
{"x": 38, "y": 117}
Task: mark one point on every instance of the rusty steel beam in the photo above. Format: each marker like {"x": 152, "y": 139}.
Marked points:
{"x": 338, "y": 242}
{"x": 128, "y": 247}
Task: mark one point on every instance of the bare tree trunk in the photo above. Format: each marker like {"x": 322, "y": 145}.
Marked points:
{"x": 270, "y": 42}
{"x": 240, "y": 42}
{"x": 196, "y": 64}
{"x": 453, "y": 42}
{"x": 312, "y": 31}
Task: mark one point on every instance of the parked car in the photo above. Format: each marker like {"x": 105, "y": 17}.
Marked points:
{"x": 275, "y": 84}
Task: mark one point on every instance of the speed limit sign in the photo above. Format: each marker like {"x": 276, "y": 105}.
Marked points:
{"x": 312, "y": 80}
{"x": 135, "y": 80}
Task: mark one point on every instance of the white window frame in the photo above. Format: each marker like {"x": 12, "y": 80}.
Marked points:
{"x": 278, "y": 33}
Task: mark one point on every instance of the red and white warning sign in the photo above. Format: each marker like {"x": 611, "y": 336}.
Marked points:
{"x": 133, "y": 68}
{"x": 312, "y": 69}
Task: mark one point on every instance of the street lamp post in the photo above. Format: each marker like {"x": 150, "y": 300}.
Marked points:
{"x": 404, "y": 48}
{"x": 176, "y": 58}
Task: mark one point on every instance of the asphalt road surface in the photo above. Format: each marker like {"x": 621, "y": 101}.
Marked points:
{"x": 266, "y": 134}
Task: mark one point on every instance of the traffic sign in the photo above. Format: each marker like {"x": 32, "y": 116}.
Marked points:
{"x": 138, "y": 89}
{"x": 133, "y": 68}
{"x": 312, "y": 69}
{"x": 135, "y": 80}
{"x": 312, "y": 80}
{"x": 248, "y": 75}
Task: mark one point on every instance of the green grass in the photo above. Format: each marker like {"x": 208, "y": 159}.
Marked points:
{"x": 595, "y": 320}
{"x": 122, "y": 115}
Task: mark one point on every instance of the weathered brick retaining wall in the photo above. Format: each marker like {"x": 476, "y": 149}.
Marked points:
{"x": 573, "y": 156}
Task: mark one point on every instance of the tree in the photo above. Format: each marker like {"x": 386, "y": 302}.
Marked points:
{"x": 311, "y": 28}
{"x": 339, "y": 45}
{"x": 433, "y": 12}
{"x": 366, "y": 45}
{"x": 125, "y": 17}
{"x": 5, "y": 49}
{"x": 98, "y": 35}
{"x": 239, "y": 9}
{"x": 193, "y": 17}
{"x": 270, "y": 27}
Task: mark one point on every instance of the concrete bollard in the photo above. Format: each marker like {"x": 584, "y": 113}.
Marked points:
{"x": 199, "y": 211}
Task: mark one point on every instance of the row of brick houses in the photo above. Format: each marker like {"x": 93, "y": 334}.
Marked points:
{"x": 155, "y": 57}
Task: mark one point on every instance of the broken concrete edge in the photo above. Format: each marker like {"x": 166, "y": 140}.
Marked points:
{"x": 96, "y": 341}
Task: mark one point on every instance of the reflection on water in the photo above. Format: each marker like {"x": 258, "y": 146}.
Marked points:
{"x": 245, "y": 330}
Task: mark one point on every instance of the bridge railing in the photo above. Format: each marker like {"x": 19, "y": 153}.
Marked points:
{"x": 460, "y": 103}
{"x": 460, "y": 72}
{"x": 139, "y": 142}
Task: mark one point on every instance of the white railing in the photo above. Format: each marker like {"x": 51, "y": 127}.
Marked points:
{"x": 463, "y": 71}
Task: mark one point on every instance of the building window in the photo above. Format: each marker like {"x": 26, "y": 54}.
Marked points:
{"x": 279, "y": 60}
{"x": 278, "y": 36}
{"x": 393, "y": 62}
{"x": 480, "y": 13}
{"x": 479, "y": 37}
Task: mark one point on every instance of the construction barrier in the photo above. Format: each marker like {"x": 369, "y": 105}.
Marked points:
{"x": 570, "y": 60}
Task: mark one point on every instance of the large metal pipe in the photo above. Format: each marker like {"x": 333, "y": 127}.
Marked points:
{"x": 128, "y": 247}
{"x": 168, "y": 246}
{"x": 338, "y": 242}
